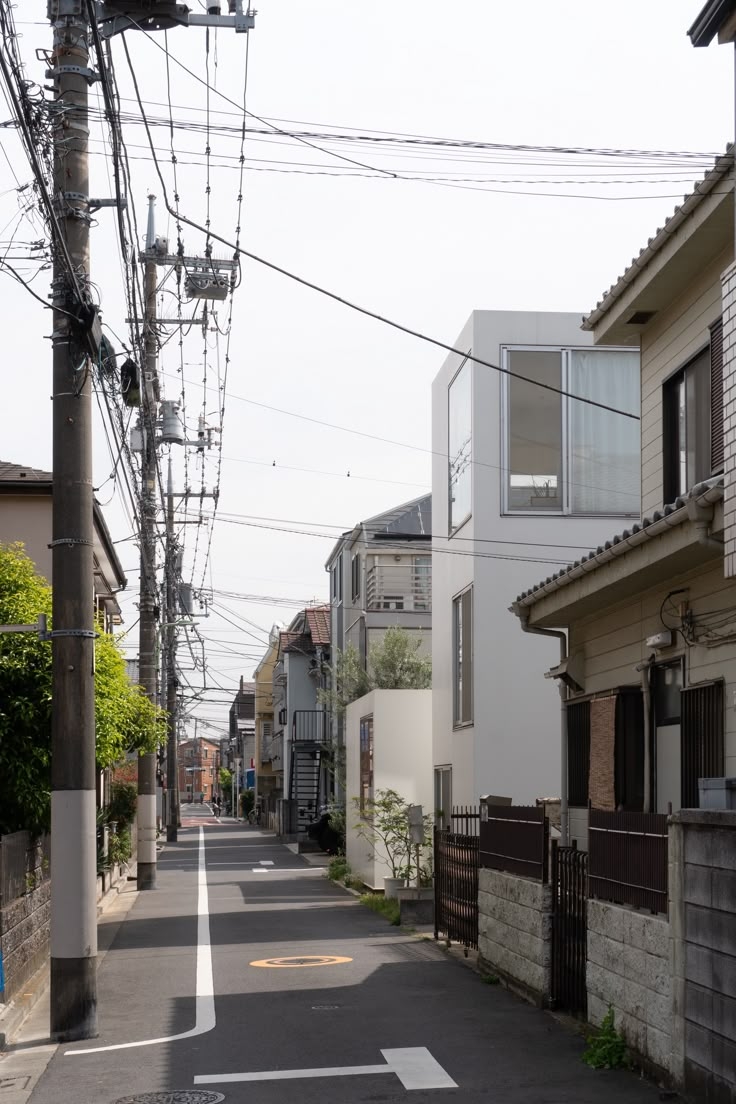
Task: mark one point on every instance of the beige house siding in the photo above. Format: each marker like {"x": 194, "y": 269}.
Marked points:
{"x": 612, "y": 643}
{"x": 672, "y": 338}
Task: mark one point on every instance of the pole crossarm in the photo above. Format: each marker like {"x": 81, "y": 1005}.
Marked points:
{"x": 41, "y": 627}
{"x": 117, "y": 16}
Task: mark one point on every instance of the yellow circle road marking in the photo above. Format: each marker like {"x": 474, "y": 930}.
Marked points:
{"x": 301, "y": 960}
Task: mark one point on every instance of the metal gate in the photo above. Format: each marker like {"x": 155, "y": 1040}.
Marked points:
{"x": 456, "y": 860}
{"x": 569, "y": 929}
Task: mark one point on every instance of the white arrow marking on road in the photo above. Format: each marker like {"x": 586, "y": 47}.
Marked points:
{"x": 414, "y": 1066}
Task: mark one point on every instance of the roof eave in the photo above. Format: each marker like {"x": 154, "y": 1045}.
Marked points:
{"x": 709, "y": 21}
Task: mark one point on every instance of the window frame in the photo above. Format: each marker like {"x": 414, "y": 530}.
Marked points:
{"x": 670, "y": 423}
{"x": 355, "y": 576}
{"x": 564, "y": 351}
{"x": 453, "y": 529}
{"x": 459, "y": 720}
{"x": 366, "y": 762}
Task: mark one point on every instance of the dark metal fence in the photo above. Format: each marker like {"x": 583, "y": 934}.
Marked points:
{"x": 569, "y": 928}
{"x": 456, "y": 887}
{"x": 515, "y": 838}
{"x": 628, "y": 858}
{"x": 24, "y": 864}
{"x": 465, "y": 819}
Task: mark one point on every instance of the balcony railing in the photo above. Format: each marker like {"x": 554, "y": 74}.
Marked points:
{"x": 399, "y": 587}
{"x": 310, "y": 726}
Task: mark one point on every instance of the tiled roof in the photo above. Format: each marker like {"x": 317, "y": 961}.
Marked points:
{"x": 722, "y": 166}
{"x": 11, "y": 473}
{"x": 318, "y": 619}
{"x": 648, "y": 527}
{"x": 286, "y": 638}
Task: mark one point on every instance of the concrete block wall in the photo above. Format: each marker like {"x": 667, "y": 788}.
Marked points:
{"x": 515, "y": 932}
{"x": 703, "y": 893}
{"x": 25, "y": 928}
{"x": 629, "y": 968}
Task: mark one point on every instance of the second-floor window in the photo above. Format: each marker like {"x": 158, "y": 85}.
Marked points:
{"x": 459, "y": 445}
{"x": 564, "y": 456}
{"x": 366, "y": 763}
{"x": 355, "y": 577}
{"x": 692, "y": 411}
{"x": 462, "y": 633}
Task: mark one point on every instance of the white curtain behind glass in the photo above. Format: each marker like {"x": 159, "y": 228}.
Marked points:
{"x": 604, "y": 448}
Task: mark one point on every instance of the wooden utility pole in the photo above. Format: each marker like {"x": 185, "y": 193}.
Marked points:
{"x": 73, "y": 790}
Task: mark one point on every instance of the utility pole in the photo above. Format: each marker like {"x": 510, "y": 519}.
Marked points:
{"x": 172, "y": 766}
{"x": 148, "y": 604}
{"x": 73, "y": 790}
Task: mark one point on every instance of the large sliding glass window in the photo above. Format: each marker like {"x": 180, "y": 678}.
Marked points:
{"x": 564, "y": 456}
{"x": 459, "y": 446}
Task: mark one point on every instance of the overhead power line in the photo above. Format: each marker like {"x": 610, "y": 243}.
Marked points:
{"x": 466, "y": 355}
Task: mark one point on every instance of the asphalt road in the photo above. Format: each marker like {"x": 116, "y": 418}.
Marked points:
{"x": 392, "y": 1012}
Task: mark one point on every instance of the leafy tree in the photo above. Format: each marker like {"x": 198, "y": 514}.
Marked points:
{"x": 384, "y": 825}
{"x": 125, "y": 719}
{"x": 393, "y": 664}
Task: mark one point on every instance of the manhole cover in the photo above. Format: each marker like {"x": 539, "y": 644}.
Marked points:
{"x": 301, "y": 960}
{"x": 175, "y": 1096}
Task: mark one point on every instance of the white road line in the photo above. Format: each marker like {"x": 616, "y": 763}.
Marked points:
{"x": 205, "y": 1019}
{"x": 414, "y": 1066}
{"x": 266, "y": 862}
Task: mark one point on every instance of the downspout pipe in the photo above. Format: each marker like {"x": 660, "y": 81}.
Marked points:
{"x": 701, "y": 516}
{"x": 560, "y": 635}
{"x": 644, "y": 670}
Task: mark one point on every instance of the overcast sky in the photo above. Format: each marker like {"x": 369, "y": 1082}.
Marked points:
{"x": 572, "y": 74}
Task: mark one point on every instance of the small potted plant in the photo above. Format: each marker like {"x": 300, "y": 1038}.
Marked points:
{"x": 384, "y": 825}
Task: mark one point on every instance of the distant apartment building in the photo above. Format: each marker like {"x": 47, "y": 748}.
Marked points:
{"x": 199, "y": 769}
{"x": 381, "y": 576}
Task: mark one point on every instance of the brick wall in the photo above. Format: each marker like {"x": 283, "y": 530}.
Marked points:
{"x": 729, "y": 418}
{"x": 602, "y": 790}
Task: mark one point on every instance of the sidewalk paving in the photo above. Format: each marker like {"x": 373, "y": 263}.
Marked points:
{"x": 357, "y": 996}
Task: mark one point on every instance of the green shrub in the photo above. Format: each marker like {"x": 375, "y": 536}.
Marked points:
{"x": 338, "y": 868}
{"x": 386, "y": 906}
{"x": 606, "y": 1047}
{"x": 123, "y": 804}
{"x": 119, "y": 848}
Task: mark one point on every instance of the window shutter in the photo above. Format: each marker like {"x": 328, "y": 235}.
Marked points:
{"x": 716, "y": 396}
{"x": 701, "y": 738}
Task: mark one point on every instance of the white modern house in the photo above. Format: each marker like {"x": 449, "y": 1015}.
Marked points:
{"x": 523, "y": 476}
{"x": 388, "y": 746}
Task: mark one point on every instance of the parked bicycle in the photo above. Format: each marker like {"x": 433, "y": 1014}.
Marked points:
{"x": 254, "y": 816}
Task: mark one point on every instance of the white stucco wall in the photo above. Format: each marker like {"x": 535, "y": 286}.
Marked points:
{"x": 402, "y": 761}
{"x": 513, "y": 746}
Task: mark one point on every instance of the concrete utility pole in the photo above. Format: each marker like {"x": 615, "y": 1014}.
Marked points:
{"x": 73, "y": 791}
{"x": 148, "y": 600}
{"x": 172, "y": 766}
